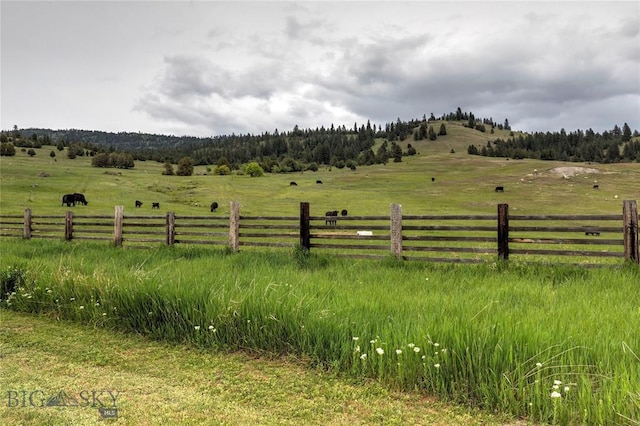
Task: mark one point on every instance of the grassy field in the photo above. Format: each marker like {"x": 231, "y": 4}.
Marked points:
{"x": 158, "y": 384}
{"x": 464, "y": 184}
{"x": 500, "y": 337}
{"x": 548, "y": 344}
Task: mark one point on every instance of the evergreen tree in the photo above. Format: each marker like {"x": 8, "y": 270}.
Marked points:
{"x": 626, "y": 133}
{"x": 382, "y": 155}
{"x": 396, "y": 152}
{"x": 443, "y": 130}
{"x": 168, "y": 169}
{"x": 432, "y": 134}
{"x": 185, "y": 166}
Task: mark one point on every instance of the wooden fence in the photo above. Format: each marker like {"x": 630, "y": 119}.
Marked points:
{"x": 587, "y": 239}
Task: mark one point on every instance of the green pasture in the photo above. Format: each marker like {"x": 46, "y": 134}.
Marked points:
{"x": 463, "y": 184}
{"x": 545, "y": 344}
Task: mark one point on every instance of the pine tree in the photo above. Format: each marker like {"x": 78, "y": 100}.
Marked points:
{"x": 185, "y": 167}
{"x": 626, "y": 133}
{"x": 432, "y": 134}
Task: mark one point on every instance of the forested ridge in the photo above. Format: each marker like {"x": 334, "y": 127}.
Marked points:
{"x": 307, "y": 149}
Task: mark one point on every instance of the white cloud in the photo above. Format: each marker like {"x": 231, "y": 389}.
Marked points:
{"x": 204, "y": 68}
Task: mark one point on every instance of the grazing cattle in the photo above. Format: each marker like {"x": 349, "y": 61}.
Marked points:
{"x": 592, "y": 231}
{"x": 499, "y": 188}
{"x": 138, "y": 203}
{"x": 433, "y": 179}
{"x": 343, "y": 212}
{"x": 595, "y": 186}
{"x": 214, "y": 206}
{"x": 69, "y": 199}
{"x": 80, "y": 198}
{"x": 331, "y": 217}
{"x": 155, "y": 205}
{"x": 293, "y": 184}
{"x": 319, "y": 182}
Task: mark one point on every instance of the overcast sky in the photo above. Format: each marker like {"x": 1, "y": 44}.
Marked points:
{"x": 205, "y": 68}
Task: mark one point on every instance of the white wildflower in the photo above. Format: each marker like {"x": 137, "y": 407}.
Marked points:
{"x": 398, "y": 351}
{"x": 363, "y": 357}
{"x": 197, "y": 327}
{"x": 436, "y": 365}
{"x": 380, "y": 351}
{"x": 416, "y": 349}
{"x": 555, "y": 394}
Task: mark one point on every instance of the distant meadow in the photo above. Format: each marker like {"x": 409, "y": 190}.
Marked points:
{"x": 549, "y": 344}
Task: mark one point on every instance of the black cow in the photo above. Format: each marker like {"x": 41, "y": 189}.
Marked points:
{"x": 330, "y": 220}
{"x": 214, "y": 206}
{"x": 319, "y": 182}
{"x": 596, "y": 186}
{"x": 138, "y": 203}
{"x": 80, "y": 198}
{"x": 155, "y": 205}
{"x": 433, "y": 179}
{"x": 69, "y": 199}
{"x": 499, "y": 188}
{"x": 343, "y": 212}
{"x": 293, "y": 184}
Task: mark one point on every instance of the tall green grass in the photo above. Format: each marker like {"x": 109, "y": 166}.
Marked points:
{"x": 552, "y": 344}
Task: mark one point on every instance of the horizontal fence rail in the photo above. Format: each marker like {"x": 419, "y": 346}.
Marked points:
{"x": 591, "y": 239}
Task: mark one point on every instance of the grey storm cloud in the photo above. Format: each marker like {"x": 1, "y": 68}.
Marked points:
{"x": 205, "y": 68}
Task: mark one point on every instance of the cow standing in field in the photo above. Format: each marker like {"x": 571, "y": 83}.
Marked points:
{"x": 214, "y": 206}
{"x": 138, "y": 203}
{"x": 331, "y": 217}
{"x": 155, "y": 205}
{"x": 69, "y": 199}
{"x": 80, "y": 198}
{"x": 499, "y": 188}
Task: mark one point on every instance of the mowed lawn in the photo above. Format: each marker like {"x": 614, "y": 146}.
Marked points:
{"x": 161, "y": 384}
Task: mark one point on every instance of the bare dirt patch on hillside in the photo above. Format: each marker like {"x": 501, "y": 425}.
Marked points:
{"x": 568, "y": 172}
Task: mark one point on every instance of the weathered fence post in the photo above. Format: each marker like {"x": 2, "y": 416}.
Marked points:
{"x": 234, "y": 226}
{"x": 630, "y": 219}
{"x": 118, "y": 223}
{"x": 396, "y": 230}
{"x": 171, "y": 228}
{"x": 305, "y": 230}
{"x": 68, "y": 225}
{"x": 27, "y": 224}
{"x": 503, "y": 231}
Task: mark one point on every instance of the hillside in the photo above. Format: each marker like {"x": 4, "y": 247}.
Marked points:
{"x": 297, "y": 149}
